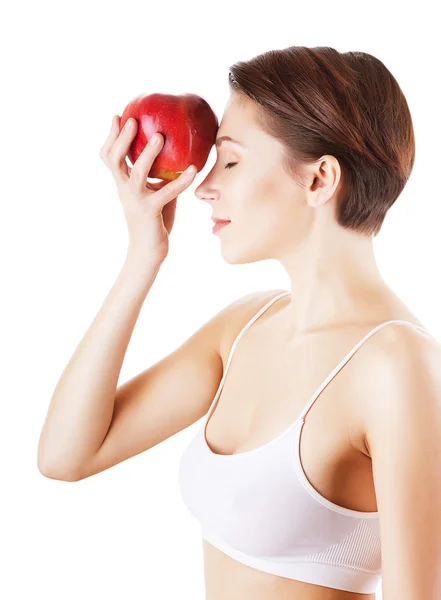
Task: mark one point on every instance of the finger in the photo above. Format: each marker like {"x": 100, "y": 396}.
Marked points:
{"x": 113, "y": 134}
{"x": 120, "y": 147}
{"x": 145, "y": 160}
{"x": 171, "y": 191}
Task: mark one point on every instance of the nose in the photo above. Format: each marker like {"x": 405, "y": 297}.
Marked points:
{"x": 206, "y": 194}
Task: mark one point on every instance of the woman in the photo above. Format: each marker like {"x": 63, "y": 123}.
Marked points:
{"x": 306, "y": 484}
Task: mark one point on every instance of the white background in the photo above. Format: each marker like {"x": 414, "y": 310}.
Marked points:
{"x": 67, "y": 68}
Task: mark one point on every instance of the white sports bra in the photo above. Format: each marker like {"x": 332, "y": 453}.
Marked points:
{"x": 259, "y": 508}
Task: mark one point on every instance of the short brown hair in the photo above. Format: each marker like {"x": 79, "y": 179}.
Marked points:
{"x": 319, "y": 101}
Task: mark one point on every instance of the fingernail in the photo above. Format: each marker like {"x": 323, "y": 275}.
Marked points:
{"x": 154, "y": 140}
{"x": 189, "y": 171}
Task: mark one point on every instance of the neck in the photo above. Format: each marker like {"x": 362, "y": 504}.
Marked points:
{"x": 334, "y": 279}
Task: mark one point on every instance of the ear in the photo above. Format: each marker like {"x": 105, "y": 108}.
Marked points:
{"x": 325, "y": 175}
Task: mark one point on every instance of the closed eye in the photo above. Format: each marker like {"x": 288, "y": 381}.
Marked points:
{"x": 230, "y": 165}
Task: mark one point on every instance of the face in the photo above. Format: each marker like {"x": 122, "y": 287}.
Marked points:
{"x": 248, "y": 186}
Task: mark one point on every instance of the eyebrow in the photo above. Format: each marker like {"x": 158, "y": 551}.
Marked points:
{"x": 227, "y": 138}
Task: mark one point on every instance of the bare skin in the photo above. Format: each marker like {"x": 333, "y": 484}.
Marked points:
{"x": 338, "y": 295}
{"x": 274, "y": 379}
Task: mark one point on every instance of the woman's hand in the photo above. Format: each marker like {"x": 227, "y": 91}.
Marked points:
{"x": 149, "y": 208}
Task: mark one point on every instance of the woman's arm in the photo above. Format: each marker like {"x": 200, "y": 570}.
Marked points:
{"x": 403, "y": 435}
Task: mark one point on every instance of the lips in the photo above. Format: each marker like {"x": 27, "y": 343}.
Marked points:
{"x": 216, "y": 220}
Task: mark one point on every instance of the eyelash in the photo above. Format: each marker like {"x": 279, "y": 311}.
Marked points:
{"x": 230, "y": 165}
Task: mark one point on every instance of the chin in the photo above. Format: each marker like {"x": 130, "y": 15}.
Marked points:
{"x": 251, "y": 246}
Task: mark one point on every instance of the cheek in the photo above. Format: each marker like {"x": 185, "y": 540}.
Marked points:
{"x": 264, "y": 195}
{"x": 257, "y": 198}
{"x": 271, "y": 206}
{"x": 258, "y": 189}
{"x": 260, "y": 215}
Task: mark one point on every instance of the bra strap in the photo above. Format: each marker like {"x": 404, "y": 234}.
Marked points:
{"x": 347, "y": 357}
{"x": 233, "y": 347}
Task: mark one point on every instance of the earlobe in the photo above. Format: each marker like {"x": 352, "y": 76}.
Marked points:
{"x": 315, "y": 201}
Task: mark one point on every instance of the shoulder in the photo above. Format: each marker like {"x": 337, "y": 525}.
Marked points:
{"x": 400, "y": 379}
{"x": 399, "y": 345}
{"x": 240, "y": 311}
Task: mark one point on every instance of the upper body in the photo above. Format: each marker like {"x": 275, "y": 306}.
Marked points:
{"x": 268, "y": 384}
{"x": 366, "y": 443}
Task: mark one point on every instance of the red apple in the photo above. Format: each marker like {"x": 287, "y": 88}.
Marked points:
{"x": 187, "y": 124}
